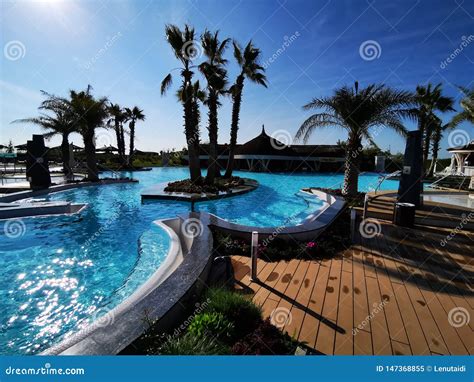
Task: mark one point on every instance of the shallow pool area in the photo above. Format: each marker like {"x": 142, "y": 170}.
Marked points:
{"x": 60, "y": 273}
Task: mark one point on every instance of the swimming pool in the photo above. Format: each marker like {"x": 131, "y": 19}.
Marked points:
{"x": 60, "y": 273}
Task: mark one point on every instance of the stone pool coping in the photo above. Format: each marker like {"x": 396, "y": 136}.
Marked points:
{"x": 159, "y": 300}
{"x": 309, "y": 229}
{"x": 61, "y": 187}
{"x": 157, "y": 192}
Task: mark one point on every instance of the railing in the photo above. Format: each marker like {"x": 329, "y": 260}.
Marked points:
{"x": 383, "y": 178}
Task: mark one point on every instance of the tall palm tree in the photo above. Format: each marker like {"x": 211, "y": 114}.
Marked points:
{"x": 436, "y": 137}
{"x": 249, "y": 69}
{"x": 133, "y": 115}
{"x": 182, "y": 44}
{"x": 467, "y": 104}
{"x": 216, "y": 77}
{"x": 59, "y": 121}
{"x": 90, "y": 113}
{"x": 117, "y": 117}
{"x": 357, "y": 111}
{"x": 429, "y": 100}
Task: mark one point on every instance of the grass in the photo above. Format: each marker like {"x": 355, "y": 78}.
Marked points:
{"x": 190, "y": 344}
{"x": 230, "y": 323}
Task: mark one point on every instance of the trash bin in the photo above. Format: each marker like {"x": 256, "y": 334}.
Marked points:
{"x": 404, "y": 214}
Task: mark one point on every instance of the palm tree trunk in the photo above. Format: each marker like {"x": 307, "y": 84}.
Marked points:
{"x": 351, "y": 172}
{"x": 122, "y": 140}
{"x": 191, "y": 131}
{"x": 91, "y": 160}
{"x": 426, "y": 144}
{"x": 117, "y": 135}
{"x": 434, "y": 153}
{"x": 234, "y": 125}
{"x": 213, "y": 133}
{"x": 132, "y": 142}
{"x": 65, "y": 154}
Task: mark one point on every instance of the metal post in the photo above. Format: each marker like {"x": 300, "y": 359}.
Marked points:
{"x": 353, "y": 224}
{"x": 366, "y": 206}
{"x": 253, "y": 256}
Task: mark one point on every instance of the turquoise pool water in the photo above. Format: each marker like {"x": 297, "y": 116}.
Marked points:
{"x": 60, "y": 273}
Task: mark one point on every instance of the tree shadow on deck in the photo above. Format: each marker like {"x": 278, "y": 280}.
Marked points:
{"x": 420, "y": 258}
{"x": 302, "y": 307}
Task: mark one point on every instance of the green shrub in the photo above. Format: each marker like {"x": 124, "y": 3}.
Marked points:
{"x": 243, "y": 313}
{"x": 190, "y": 344}
{"x": 212, "y": 324}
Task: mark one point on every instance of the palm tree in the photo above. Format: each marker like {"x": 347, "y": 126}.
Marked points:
{"x": 216, "y": 77}
{"x": 133, "y": 115}
{"x": 357, "y": 111}
{"x": 90, "y": 113}
{"x": 182, "y": 44}
{"x": 117, "y": 118}
{"x": 436, "y": 137}
{"x": 250, "y": 69}
{"x": 429, "y": 99}
{"x": 59, "y": 122}
{"x": 467, "y": 104}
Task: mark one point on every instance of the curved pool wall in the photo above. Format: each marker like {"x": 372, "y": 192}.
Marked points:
{"x": 161, "y": 300}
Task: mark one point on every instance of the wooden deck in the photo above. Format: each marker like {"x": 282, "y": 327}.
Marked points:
{"x": 400, "y": 292}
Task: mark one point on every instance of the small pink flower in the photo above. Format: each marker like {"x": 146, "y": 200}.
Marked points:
{"x": 310, "y": 244}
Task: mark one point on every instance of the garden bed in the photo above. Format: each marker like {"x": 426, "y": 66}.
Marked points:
{"x": 224, "y": 322}
{"x": 220, "y": 185}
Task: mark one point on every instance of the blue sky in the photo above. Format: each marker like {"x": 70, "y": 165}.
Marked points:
{"x": 119, "y": 48}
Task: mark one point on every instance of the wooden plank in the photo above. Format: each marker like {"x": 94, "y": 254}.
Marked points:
{"x": 344, "y": 341}
{"x": 298, "y": 311}
{"x": 379, "y": 328}
{"x": 326, "y": 337}
{"x": 312, "y": 318}
{"x": 363, "y": 338}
